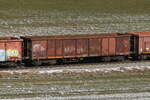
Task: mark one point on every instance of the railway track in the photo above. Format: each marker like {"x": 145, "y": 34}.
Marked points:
{"x": 90, "y": 65}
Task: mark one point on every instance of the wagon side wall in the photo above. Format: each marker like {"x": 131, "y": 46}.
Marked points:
{"x": 39, "y": 49}
{"x": 80, "y": 47}
{"x": 123, "y": 45}
{"x": 144, "y": 45}
{"x": 11, "y": 50}
{"x": 141, "y": 43}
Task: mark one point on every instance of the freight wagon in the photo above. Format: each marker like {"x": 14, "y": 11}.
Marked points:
{"x": 10, "y": 50}
{"x": 140, "y": 45}
{"x": 70, "y": 48}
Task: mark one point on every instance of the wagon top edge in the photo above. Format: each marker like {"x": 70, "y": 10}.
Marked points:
{"x": 113, "y": 35}
{"x": 140, "y": 34}
{"x": 10, "y": 39}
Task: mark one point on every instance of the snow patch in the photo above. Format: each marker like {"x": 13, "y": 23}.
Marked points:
{"x": 86, "y": 70}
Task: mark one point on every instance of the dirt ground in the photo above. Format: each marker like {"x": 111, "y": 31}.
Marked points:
{"x": 87, "y": 82}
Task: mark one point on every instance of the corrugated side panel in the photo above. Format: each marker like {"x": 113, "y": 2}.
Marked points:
{"x": 94, "y": 47}
{"x": 82, "y": 47}
{"x": 39, "y": 49}
{"x": 105, "y": 46}
{"x": 108, "y": 46}
{"x": 59, "y": 48}
{"x": 69, "y": 48}
{"x": 51, "y": 48}
{"x": 112, "y": 46}
{"x": 123, "y": 46}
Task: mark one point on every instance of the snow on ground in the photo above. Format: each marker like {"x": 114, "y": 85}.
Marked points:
{"x": 76, "y": 69}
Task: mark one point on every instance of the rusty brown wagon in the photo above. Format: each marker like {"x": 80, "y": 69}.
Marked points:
{"x": 52, "y": 49}
{"x": 11, "y": 49}
{"x": 140, "y": 45}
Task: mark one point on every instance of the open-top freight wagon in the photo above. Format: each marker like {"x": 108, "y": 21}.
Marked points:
{"x": 140, "y": 45}
{"x": 11, "y": 50}
{"x": 70, "y": 48}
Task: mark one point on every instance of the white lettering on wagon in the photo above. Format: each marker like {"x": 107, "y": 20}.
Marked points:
{"x": 68, "y": 50}
{"x": 147, "y": 49}
{"x": 80, "y": 50}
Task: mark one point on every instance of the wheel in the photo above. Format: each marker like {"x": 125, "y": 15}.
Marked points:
{"x": 36, "y": 63}
{"x": 59, "y": 61}
{"x": 106, "y": 59}
{"x": 143, "y": 57}
{"x": 121, "y": 58}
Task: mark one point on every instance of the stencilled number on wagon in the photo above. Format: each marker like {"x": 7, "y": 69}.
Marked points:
{"x": 12, "y": 53}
